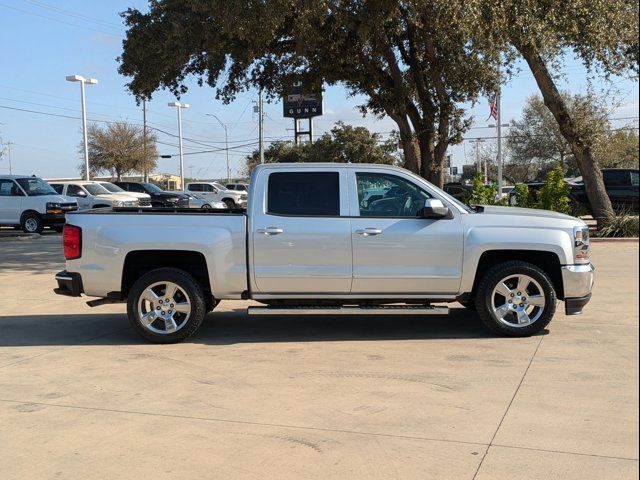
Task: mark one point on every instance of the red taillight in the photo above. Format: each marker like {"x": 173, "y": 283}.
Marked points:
{"x": 72, "y": 242}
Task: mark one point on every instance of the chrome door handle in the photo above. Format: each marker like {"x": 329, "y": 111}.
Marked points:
{"x": 369, "y": 232}
{"x": 270, "y": 230}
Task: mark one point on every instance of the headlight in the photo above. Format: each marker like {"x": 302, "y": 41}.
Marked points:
{"x": 581, "y": 250}
{"x": 118, "y": 203}
{"x": 173, "y": 199}
{"x": 131, "y": 203}
{"x": 53, "y": 207}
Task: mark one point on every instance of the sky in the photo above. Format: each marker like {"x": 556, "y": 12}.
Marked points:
{"x": 43, "y": 41}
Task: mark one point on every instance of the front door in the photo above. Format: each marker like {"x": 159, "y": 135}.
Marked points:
{"x": 77, "y": 192}
{"x": 10, "y": 202}
{"x": 394, "y": 250}
{"x": 301, "y": 232}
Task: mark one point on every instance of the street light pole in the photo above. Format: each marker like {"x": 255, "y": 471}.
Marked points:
{"x": 179, "y": 106}
{"x": 90, "y": 81}
{"x": 226, "y": 143}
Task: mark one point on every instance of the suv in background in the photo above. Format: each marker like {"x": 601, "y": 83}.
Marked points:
{"x": 144, "y": 199}
{"x": 90, "y": 194}
{"x": 159, "y": 197}
{"x": 238, "y": 187}
{"x": 214, "y": 192}
{"x": 621, "y": 185}
{"x": 32, "y": 204}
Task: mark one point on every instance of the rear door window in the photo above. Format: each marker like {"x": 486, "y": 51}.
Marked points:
{"x": 305, "y": 194}
{"x": 617, "y": 178}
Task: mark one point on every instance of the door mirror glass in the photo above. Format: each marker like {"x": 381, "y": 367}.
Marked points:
{"x": 434, "y": 208}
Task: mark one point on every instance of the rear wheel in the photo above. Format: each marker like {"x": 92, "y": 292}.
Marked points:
{"x": 206, "y": 206}
{"x": 166, "y": 305}
{"x": 229, "y": 203}
{"x": 31, "y": 222}
{"x": 516, "y": 298}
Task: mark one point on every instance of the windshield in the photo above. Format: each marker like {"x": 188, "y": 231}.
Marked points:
{"x": 95, "y": 189}
{"x": 111, "y": 187}
{"x": 219, "y": 186}
{"x": 151, "y": 188}
{"x": 36, "y": 187}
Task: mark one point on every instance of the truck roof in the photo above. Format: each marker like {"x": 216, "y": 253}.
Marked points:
{"x": 326, "y": 165}
{"x": 15, "y": 177}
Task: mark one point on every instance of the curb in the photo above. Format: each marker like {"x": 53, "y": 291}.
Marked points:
{"x": 613, "y": 240}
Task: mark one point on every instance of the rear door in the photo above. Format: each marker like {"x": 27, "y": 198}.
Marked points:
{"x": 10, "y": 202}
{"x": 300, "y": 232}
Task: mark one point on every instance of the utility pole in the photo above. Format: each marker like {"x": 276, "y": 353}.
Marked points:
{"x": 261, "y": 126}
{"x": 226, "y": 143}
{"x": 145, "y": 165}
{"x": 9, "y": 155}
{"x": 478, "y": 164}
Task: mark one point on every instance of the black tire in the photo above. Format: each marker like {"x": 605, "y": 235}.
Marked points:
{"x": 229, "y": 203}
{"x": 58, "y": 228}
{"x": 484, "y": 300}
{"x": 185, "y": 282}
{"x": 206, "y": 206}
{"x": 31, "y": 222}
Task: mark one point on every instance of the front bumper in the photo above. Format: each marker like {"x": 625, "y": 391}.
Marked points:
{"x": 52, "y": 219}
{"x": 577, "y": 282}
{"x": 69, "y": 284}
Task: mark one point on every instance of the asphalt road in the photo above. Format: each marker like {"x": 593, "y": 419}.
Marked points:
{"x": 82, "y": 396}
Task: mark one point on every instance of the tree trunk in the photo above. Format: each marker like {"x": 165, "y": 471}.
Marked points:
{"x": 408, "y": 147}
{"x": 588, "y": 165}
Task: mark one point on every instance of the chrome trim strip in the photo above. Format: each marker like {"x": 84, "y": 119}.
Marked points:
{"x": 391, "y": 310}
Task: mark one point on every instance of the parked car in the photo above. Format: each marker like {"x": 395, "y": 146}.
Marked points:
{"x": 308, "y": 245}
{"x": 621, "y": 185}
{"x": 90, "y": 194}
{"x": 31, "y": 204}
{"x": 238, "y": 187}
{"x": 196, "y": 201}
{"x": 458, "y": 190}
{"x": 215, "y": 192}
{"x": 159, "y": 197}
{"x": 144, "y": 199}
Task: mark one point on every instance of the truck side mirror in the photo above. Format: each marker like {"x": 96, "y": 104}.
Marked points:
{"x": 434, "y": 208}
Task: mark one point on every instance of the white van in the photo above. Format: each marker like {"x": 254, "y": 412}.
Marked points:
{"x": 90, "y": 194}
{"x": 214, "y": 192}
{"x": 30, "y": 203}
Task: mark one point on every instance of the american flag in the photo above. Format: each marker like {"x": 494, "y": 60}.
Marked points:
{"x": 493, "y": 106}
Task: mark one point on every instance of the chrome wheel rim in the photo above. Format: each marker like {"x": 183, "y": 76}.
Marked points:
{"x": 31, "y": 224}
{"x": 517, "y": 301}
{"x": 206, "y": 207}
{"x": 164, "y": 308}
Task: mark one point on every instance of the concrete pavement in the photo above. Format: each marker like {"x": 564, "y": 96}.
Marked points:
{"x": 82, "y": 396}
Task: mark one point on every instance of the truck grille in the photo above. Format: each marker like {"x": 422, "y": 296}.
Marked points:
{"x": 144, "y": 202}
{"x": 68, "y": 207}
{"x": 183, "y": 203}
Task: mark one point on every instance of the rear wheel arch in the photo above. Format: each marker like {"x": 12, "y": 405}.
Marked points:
{"x": 139, "y": 262}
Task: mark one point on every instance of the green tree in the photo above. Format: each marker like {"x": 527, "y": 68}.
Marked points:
{"x": 120, "y": 148}
{"x": 602, "y": 34}
{"x": 417, "y": 61}
{"x": 618, "y": 149}
{"x": 344, "y": 144}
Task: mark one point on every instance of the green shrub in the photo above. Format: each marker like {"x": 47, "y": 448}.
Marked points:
{"x": 621, "y": 226}
{"x": 555, "y": 194}
{"x": 482, "y": 194}
{"x": 523, "y": 196}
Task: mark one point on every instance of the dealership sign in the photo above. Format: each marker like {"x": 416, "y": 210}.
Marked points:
{"x": 298, "y": 104}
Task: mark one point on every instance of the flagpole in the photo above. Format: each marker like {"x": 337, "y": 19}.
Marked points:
{"x": 499, "y": 122}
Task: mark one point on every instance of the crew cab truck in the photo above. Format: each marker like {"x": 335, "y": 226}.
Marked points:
{"x": 309, "y": 243}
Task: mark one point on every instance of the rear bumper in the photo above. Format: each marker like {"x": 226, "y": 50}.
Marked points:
{"x": 69, "y": 284}
{"x": 577, "y": 282}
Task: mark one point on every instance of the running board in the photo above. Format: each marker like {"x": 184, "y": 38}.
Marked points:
{"x": 389, "y": 310}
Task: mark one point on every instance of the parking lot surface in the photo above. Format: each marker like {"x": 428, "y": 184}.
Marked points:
{"x": 82, "y": 396}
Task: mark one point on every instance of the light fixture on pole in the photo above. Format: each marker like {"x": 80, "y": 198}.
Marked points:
{"x": 90, "y": 81}
{"x": 179, "y": 106}
{"x": 226, "y": 143}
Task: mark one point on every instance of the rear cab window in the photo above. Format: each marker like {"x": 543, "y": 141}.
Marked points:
{"x": 303, "y": 193}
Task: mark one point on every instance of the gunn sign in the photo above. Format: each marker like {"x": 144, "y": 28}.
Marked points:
{"x": 298, "y": 104}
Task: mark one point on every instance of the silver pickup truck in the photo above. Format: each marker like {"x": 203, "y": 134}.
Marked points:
{"x": 314, "y": 240}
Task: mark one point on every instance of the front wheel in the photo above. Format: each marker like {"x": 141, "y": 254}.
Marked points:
{"x": 31, "y": 223}
{"x": 166, "y": 305}
{"x": 516, "y": 298}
